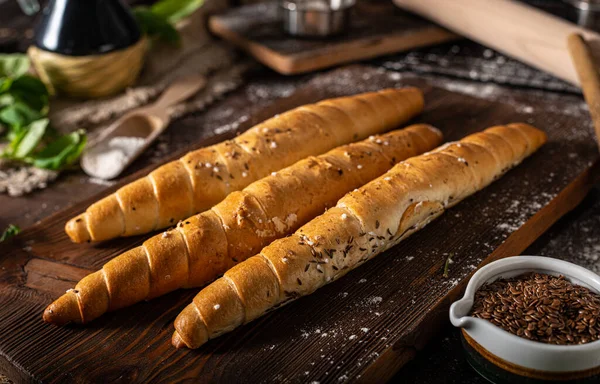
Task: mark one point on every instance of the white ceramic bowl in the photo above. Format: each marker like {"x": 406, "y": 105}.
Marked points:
{"x": 517, "y": 351}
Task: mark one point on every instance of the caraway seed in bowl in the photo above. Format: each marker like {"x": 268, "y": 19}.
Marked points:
{"x": 540, "y": 307}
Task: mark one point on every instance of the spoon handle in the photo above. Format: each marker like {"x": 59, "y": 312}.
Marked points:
{"x": 180, "y": 90}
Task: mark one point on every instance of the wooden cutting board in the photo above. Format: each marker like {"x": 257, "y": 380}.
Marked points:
{"x": 364, "y": 326}
{"x": 376, "y": 28}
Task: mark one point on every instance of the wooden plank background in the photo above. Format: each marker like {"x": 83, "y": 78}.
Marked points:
{"x": 364, "y": 326}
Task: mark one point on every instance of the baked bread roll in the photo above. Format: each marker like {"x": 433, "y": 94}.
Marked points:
{"x": 363, "y": 224}
{"x": 204, "y": 246}
{"x": 204, "y": 177}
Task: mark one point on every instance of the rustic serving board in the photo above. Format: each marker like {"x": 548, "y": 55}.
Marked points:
{"x": 364, "y": 326}
{"x": 376, "y": 28}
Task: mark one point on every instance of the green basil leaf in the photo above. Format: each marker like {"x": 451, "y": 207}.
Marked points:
{"x": 76, "y": 152}
{"x": 155, "y": 26}
{"x": 15, "y": 136}
{"x": 5, "y": 83}
{"x": 175, "y": 10}
{"x": 19, "y": 114}
{"x": 51, "y": 134}
{"x": 62, "y": 152}
{"x": 13, "y": 65}
{"x": 31, "y": 91}
{"x": 6, "y": 99}
{"x": 14, "y": 132}
{"x": 34, "y": 133}
{"x": 9, "y": 232}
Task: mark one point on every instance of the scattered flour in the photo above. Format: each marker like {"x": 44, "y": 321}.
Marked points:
{"x": 107, "y": 183}
{"x": 20, "y": 180}
{"x": 509, "y": 227}
{"x": 231, "y": 126}
{"x": 525, "y": 109}
{"x": 258, "y": 92}
{"x": 395, "y": 76}
{"x": 548, "y": 103}
{"x": 578, "y": 243}
{"x": 473, "y": 61}
{"x": 520, "y": 213}
{"x": 591, "y": 254}
{"x": 374, "y": 300}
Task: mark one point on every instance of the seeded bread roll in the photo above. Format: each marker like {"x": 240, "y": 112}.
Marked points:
{"x": 363, "y": 224}
{"x": 204, "y": 246}
{"x": 206, "y": 176}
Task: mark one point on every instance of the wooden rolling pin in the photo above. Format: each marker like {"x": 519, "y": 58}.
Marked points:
{"x": 524, "y": 32}
{"x": 589, "y": 77}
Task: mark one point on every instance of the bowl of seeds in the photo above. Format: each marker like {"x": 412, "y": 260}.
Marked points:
{"x": 528, "y": 319}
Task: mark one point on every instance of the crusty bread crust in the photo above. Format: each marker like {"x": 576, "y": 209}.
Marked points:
{"x": 204, "y": 177}
{"x": 204, "y": 246}
{"x": 363, "y": 224}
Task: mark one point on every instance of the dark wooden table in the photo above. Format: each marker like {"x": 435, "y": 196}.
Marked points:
{"x": 574, "y": 238}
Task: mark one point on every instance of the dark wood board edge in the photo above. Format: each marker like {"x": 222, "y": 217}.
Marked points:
{"x": 376, "y": 46}
{"x": 391, "y": 361}
{"x": 327, "y": 57}
{"x": 16, "y": 374}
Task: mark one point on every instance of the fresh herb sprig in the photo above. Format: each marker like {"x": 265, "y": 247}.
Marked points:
{"x": 24, "y": 121}
{"x": 447, "y": 265}
{"x": 9, "y": 232}
{"x": 159, "y": 19}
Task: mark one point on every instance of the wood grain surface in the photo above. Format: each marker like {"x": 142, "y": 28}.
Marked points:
{"x": 364, "y": 326}
{"x": 375, "y": 29}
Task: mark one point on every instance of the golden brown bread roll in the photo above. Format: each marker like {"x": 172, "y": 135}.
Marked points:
{"x": 363, "y": 224}
{"x": 204, "y": 177}
{"x": 204, "y": 246}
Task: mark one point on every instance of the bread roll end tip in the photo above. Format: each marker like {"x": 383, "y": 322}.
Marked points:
{"x": 177, "y": 341}
{"x": 63, "y": 311}
{"x": 76, "y": 229}
{"x": 190, "y": 330}
{"x": 53, "y": 316}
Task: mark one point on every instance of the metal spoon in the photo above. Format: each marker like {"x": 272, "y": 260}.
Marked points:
{"x": 122, "y": 142}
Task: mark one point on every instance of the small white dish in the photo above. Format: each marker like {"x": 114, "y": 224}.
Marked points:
{"x": 513, "y": 353}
